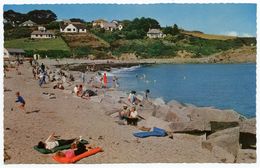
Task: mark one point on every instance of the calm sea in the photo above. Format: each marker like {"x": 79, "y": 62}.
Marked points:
{"x": 224, "y": 86}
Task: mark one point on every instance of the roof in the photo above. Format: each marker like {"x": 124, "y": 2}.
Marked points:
{"x": 15, "y": 50}
{"x": 29, "y": 22}
{"x": 154, "y": 31}
{"x": 42, "y": 32}
{"x": 99, "y": 20}
{"x": 78, "y": 26}
{"x": 107, "y": 25}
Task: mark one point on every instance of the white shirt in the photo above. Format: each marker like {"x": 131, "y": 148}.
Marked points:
{"x": 75, "y": 89}
{"x": 51, "y": 145}
{"x": 134, "y": 114}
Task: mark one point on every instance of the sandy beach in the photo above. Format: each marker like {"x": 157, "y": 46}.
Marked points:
{"x": 70, "y": 116}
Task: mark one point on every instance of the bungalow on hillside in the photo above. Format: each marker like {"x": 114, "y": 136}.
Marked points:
{"x": 73, "y": 27}
{"x": 42, "y": 33}
{"x": 109, "y": 26}
{"x": 13, "y": 53}
{"x": 28, "y": 23}
{"x": 155, "y": 33}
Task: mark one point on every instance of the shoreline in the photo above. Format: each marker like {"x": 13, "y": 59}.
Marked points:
{"x": 71, "y": 116}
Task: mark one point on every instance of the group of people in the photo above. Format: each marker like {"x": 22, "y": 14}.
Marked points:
{"x": 76, "y": 147}
{"x": 85, "y": 94}
{"x": 130, "y": 115}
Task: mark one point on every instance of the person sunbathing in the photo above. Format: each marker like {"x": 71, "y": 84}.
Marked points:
{"x": 52, "y": 142}
{"x": 75, "y": 150}
{"x": 88, "y": 93}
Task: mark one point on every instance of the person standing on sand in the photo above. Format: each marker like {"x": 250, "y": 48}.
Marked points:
{"x": 21, "y": 101}
{"x": 105, "y": 79}
{"x": 42, "y": 67}
{"x": 83, "y": 78}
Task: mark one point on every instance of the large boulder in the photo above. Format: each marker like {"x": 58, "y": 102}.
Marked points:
{"x": 227, "y": 139}
{"x": 158, "y": 102}
{"x": 248, "y": 133}
{"x": 151, "y": 122}
{"x": 208, "y": 114}
{"x": 188, "y": 127}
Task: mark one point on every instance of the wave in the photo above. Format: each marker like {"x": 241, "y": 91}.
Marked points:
{"x": 115, "y": 70}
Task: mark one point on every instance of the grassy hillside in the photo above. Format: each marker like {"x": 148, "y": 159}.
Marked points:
{"x": 209, "y": 36}
{"x": 84, "y": 40}
{"x": 37, "y": 44}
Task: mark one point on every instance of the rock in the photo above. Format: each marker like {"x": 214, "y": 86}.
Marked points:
{"x": 222, "y": 155}
{"x": 248, "y": 126}
{"x": 248, "y": 133}
{"x": 246, "y": 156}
{"x": 161, "y": 111}
{"x": 151, "y": 122}
{"x": 140, "y": 97}
{"x": 217, "y": 126}
{"x": 188, "y": 127}
{"x": 158, "y": 102}
{"x": 227, "y": 139}
{"x": 174, "y": 103}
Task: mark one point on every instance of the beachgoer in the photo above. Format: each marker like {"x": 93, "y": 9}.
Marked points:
{"x": 83, "y": 78}
{"x": 34, "y": 72}
{"x": 42, "y": 67}
{"x": 21, "y": 101}
{"x": 124, "y": 113}
{"x": 133, "y": 117}
{"x": 87, "y": 94}
{"x": 147, "y": 91}
{"x": 76, "y": 89}
{"x": 58, "y": 86}
{"x": 75, "y": 150}
{"x": 132, "y": 97}
{"x": 115, "y": 83}
{"x": 52, "y": 142}
{"x": 42, "y": 79}
{"x": 80, "y": 90}
{"x": 105, "y": 79}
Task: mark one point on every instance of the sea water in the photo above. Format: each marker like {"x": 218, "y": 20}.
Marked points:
{"x": 224, "y": 86}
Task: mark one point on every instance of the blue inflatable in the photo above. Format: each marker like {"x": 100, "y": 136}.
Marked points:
{"x": 158, "y": 132}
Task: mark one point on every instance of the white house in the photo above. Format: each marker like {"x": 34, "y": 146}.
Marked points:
{"x": 42, "y": 35}
{"x": 28, "y": 23}
{"x": 13, "y": 53}
{"x": 109, "y": 26}
{"x": 155, "y": 33}
{"x": 73, "y": 28}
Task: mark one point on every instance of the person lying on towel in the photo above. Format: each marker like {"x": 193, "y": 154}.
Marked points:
{"x": 75, "y": 150}
{"x": 52, "y": 142}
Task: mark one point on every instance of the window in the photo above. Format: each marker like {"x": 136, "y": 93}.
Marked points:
{"x": 68, "y": 29}
{"x": 74, "y": 29}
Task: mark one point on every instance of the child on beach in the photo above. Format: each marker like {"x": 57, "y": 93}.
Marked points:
{"x": 21, "y": 101}
{"x": 80, "y": 90}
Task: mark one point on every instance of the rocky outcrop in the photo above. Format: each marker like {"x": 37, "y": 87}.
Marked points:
{"x": 188, "y": 127}
{"x": 227, "y": 139}
{"x": 248, "y": 133}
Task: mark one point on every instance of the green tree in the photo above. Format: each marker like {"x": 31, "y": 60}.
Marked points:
{"x": 41, "y": 16}
{"x": 175, "y": 30}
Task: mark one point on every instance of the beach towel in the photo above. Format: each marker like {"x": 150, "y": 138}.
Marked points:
{"x": 158, "y": 132}
{"x": 77, "y": 158}
{"x": 58, "y": 148}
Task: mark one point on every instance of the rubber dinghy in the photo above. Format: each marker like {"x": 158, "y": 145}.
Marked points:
{"x": 58, "y": 148}
{"x": 77, "y": 158}
{"x": 158, "y": 132}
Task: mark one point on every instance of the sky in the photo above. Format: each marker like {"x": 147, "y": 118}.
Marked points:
{"x": 226, "y": 19}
